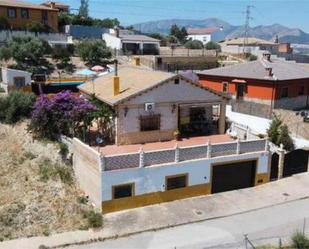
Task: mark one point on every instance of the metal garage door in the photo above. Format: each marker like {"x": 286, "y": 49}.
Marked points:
{"x": 233, "y": 176}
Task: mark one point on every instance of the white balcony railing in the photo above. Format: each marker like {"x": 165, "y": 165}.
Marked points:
{"x": 144, "y": 159}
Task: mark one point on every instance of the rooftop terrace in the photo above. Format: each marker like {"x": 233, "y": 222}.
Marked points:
{"x": 144, "y": 155}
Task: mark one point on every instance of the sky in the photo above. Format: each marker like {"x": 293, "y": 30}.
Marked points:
{"x": 291, "y": 13}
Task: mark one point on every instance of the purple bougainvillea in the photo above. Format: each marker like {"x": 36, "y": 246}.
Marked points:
{"x": 64, "y": 113}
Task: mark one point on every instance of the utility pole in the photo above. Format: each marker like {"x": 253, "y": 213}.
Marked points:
{"x": 247, "y": 26}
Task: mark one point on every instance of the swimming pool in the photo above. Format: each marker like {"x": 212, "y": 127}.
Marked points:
{"x": 67, "y": 83}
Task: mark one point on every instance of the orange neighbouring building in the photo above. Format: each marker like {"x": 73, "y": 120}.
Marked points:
{"x": 20, "y": 14}
{"x": 260, "y": 86}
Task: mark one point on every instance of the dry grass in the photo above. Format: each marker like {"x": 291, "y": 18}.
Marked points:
{"x": 31, "y": 206}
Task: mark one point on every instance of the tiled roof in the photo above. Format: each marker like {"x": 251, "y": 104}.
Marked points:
{"x": 133, "y": 81}
{"x": 22, "y": 4}
{"x": 251, "y": 41}
{"x": 203, "y": 31}
{"x": 281, "y": 70}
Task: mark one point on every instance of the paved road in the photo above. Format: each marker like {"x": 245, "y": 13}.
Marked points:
{"x": 267, "y": 224}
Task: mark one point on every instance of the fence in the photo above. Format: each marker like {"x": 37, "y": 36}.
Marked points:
{"x": 167, "y": 51}
{"x": 144, "y": 159}
{"x": 6, "y": 35}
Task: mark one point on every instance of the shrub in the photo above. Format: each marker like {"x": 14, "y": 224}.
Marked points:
{"x": 16, "y": 106}
{"x": 29, "y": 155}
{"x": 285, "y": 139}
{"x": 94, "y": 219}
{"x": 250, "y": 57}
{"x": 93, "y": 51}
{"x": 279, "y": 134}
{"x": 300, "y": 241}
{"x": 46, "y": 170}
{"x": 49, "y": 170}
{"x": 195, "y": 44}
{"x": 65, "y": 114}
{"x": 2, "y": 90}
{"x": 65, "y": 173}
{"x": 212, "y": 45}
{"x": 64, "y": 150}
{"x": 273, "y": 130}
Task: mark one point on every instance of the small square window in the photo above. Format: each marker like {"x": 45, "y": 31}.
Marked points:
{"x": 174, "y": 182}
{"x": 284, "y": 93}
{"x": 11, "y": 13}
{"x": 301, "y": 90}
{"x": 150, "y": 122}
{"x": 176, "y": 81}
{"x": 24, "y": 14}
{"x": 122, "y": 191}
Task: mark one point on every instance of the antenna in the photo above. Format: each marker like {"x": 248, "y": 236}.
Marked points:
{"x": 247, "y": 26}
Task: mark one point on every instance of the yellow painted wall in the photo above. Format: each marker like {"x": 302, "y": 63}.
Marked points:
{"x": 35, "y": 16}
{"x": 154, "y": 198}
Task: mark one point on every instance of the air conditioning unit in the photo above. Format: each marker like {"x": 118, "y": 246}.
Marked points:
{"x": 149, "y": 107}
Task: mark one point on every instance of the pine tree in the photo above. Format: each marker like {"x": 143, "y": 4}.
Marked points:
{"x": 285, "y": 139}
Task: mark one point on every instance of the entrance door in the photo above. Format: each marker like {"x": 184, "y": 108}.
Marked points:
{"x": 241, "y": 91}
{"x": 233, "y": 176}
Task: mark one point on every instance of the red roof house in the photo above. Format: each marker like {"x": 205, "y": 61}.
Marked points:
{"x": 260, "y": 86}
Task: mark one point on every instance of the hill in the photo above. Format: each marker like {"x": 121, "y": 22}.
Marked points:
{"x": 268, "y": 32}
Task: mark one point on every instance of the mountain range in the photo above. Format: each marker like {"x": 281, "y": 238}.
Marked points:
{"x": 267, "y": 32}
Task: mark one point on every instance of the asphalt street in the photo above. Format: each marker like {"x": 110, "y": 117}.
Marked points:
{"x": 263, "y": 226}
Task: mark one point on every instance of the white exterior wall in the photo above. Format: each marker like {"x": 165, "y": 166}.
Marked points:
{"x": 183, "y": 92}
{"x": 112, "y": 41}
{"x": 130, "y": 123}
{"x": 203, "y": 38}
{"x": 8, "y": 76}
{"x": 152, "y": 179}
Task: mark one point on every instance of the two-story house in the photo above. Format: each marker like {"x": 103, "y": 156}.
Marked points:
{"x": 148, "y": 164}
{"x": 20, "y": 14}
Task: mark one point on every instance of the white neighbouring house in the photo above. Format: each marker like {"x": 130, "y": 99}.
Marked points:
{"x": 203, "y": 35}
{"x": 12, "y": 79}
{"x": 125, "y": 42}
{"x": 147, "y": 165}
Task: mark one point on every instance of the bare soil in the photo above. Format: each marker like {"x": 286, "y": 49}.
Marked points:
{"x": 30, "y": 206}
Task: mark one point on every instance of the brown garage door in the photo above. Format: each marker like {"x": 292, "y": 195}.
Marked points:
{"x": 233, "y": 176}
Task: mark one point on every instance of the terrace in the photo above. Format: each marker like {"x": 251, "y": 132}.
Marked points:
{"x": 148, "y": 154}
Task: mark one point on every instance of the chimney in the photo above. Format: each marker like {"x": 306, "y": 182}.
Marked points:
{"x": 267, "y": 56}
{"x": 269, "y": 71}
{"x": 52, "y": 5}
{"x": 116, "y": 80}
{"x": 137, "y": 61}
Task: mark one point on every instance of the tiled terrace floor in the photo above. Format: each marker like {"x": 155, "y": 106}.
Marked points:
{"x": 185, "y": 142}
